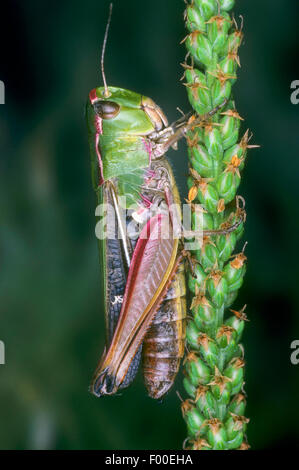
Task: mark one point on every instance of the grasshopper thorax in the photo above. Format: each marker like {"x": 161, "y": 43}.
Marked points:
{"x": 121, "y": 126}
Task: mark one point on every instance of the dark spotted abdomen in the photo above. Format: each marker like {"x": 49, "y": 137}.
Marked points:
{"x": 163, "y": 346}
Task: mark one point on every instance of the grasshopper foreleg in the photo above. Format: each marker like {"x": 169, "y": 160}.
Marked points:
{"x": 168, "y": 137}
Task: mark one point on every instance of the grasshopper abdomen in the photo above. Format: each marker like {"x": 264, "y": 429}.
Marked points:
{"x": 163, "y": 346}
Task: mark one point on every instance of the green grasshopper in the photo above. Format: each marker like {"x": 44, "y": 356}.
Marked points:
{"x": 144, "y": 284}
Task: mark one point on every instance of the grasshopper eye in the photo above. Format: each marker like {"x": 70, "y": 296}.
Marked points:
{"x": 106, "y": 109}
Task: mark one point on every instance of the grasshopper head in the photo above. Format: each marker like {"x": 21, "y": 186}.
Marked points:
{"x": 120, "y": 127}
{"x": 124, "y": 112}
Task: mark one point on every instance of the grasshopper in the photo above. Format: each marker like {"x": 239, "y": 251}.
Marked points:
{"x": 144, "y": 283}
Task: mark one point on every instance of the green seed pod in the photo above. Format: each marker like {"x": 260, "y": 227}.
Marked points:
{"x": 235, "y": 372}
{"x": 227, "y": 5}
{"x": 198, "y": 371}
{"x": 217, "y": 287}
{"x": 220, "y": 92}
{"x": 194, "y": 20}
{"x": 227, "y": 340}
{"x": 213, "y": 143}
{"x": 238, "y": 325}
{"x": 236, "y": 442}
{"x": 226, "y": 244}
{"x": 192, "y": 335}
{"x": 202, "y": 162}
{"x": 207, "y": 8}
{"x": 217, "y": 29}
{"x": 237, "y": 405}
{"x": 193, "y": 417}
{"x": 239, "y": 231}
{"x": 208, "y": 256}
{"x": 231, "y": 297}
{"x": 198, "y": 92}
{"x": 200, "y": 47}
{"x": 204, "y": 314}
{"x": 207, "y": 221}
{"x": 208, "y": 197}
{"x": 235, "y": 150}
{"x": 206, "y": 402}
{"x": 227, "y": 185}
{"x": 234, "y": 272}
{"x": 202, "y": 221}
{"x": 229, "y": 130}
{"x": 197, "y": 278}
{"x": 221, "y": 388}
{"x": 216, "y": 434}
{"x": 229, "y": 68}
{"x": 226, "y": 336}
{"x": 234, "y": 424}
{"x": 209, "y": 349}
{"x": 190, "y": 389}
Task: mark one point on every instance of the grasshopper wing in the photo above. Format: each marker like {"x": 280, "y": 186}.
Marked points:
{"x": 149, "y": 276}
{"x": 114, "y": 275}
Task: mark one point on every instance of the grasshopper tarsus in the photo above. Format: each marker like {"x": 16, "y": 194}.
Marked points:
{"x": 180, "y": 127}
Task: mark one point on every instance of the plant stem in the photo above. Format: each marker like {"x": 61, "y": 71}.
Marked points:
{"x": 214, "y": 364}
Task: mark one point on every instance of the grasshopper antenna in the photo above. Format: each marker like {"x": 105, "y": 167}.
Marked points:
{"x": 106, "y": 92}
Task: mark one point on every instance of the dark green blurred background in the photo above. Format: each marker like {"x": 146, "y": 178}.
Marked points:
{"x": 51, "y": 306}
